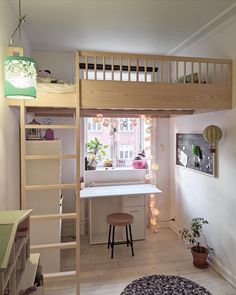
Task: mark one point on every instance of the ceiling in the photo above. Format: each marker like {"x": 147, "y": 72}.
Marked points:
{"x": 137, "y": 26}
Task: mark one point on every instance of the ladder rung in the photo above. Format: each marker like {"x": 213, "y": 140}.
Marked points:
{"x": 53, "y": 216}
{"x": 39, "y": 187}
{"x": 50, "y": 157}
{"x": 37, "y": 126}
{"x": 66, "y": 275}
{"x": 68, "y": 245}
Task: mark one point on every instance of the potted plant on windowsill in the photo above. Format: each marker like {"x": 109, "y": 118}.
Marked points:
{"x": 95, "y": 152}
{"x": 193, "y": 236}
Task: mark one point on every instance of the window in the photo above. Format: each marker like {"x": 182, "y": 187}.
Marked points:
{"x": 93, "y": 127}
{"x": 122, "y": 135}
{"x": 126, "y": 125}
{"x": 126, "y": 151}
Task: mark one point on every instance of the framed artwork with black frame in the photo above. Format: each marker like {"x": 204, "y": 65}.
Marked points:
{"x": 193, "y": 152}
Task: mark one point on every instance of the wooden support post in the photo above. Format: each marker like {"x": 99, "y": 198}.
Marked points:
{"x": 78, "y": 94}
{"x": 23, "y": 204}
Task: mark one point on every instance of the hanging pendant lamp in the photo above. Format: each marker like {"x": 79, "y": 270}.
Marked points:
{"x": 20, "y": 77}
{"x": 20, "y": 71}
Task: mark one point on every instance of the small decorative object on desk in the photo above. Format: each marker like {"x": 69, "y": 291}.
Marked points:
{"x": 193, "y": 236}
{"x": 139, "y": 162}
{"x": 34, "y": 133}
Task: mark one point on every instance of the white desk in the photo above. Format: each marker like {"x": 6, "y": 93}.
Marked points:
{"x": 118, "y": 190}
{"x": 129, "y": 198}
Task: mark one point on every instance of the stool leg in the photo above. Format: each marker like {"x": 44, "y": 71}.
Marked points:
{"x": 127, "y": 238}
{"x": 109, "y": 238}
{"x": 131, "y": 240}
{"x": 112, "y": 243}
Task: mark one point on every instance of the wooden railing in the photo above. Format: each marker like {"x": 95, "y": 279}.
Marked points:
{"x": 155, "y": 69}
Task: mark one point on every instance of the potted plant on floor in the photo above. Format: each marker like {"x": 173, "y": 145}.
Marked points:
{"x": 193, "y": 236}
{"x": 95, "y": 152}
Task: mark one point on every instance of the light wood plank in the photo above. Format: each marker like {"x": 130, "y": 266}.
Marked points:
{"x": 50, "y": 186}
{"x": 133, "y": 113}
{"x": 53, "y": 216}
{"x": 30, "y": 126}
{"x": 141, "y": 95}
{"x": 56, "y": 100}
{"x": 151, "y": 57}
{"x": 59, "y": 276}
{"x": 50, "y": 157}
{"x": 67, "y": 245}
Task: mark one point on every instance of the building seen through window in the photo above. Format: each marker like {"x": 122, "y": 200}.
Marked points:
{"x": 122, "y": 135}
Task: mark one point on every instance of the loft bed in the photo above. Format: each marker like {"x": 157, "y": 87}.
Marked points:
{"x": 156, "y": 84}
{"x": 120, "y": 85}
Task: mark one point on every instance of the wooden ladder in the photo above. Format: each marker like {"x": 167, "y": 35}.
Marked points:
{"x": 75, "y": 186}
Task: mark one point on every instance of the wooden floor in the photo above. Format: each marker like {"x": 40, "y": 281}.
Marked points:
{"x": 160, "y": 253}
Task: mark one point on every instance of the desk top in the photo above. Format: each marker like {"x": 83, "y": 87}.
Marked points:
{"x": 118, "y": 190}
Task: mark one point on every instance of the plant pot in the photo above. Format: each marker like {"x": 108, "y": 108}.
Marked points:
{"x": 91, "y": 167}
{"x": 139, "y": 164}
{"x": 200, "y": 255}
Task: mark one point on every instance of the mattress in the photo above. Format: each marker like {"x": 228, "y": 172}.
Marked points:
{"x": 55, "y": 88}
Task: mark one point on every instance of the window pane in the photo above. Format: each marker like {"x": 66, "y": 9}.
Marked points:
{"x": 124, "y": 145}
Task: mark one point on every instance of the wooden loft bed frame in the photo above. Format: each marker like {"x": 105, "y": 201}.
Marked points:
{"x": 121, "y": 85}
{"x": 164, "y": 84}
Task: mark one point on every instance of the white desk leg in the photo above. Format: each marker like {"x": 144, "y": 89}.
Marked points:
{"x": 90, "y": 221}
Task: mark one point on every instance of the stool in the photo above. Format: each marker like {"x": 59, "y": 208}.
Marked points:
{"x": 120, "y": 219}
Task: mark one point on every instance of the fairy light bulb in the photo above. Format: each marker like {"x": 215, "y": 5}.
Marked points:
{"x": 155, "y": 166}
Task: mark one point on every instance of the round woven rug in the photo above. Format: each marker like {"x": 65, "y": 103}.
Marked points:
{"x": 164, "y": 285}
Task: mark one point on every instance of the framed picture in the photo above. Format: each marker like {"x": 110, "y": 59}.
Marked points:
{"x": 193, "y": 152}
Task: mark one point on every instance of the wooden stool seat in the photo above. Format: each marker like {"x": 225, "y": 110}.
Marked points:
{"x": 120, "y": 219}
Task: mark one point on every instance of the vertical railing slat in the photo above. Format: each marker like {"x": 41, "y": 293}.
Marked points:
{"x": 207, "y": 72}
{"x": 168, "y": 71}
{"x": 112, "y": 68}
{"x": 95, "y": 67}
{"x": 103, "y": 68}
{"x": 153, "y": 70}
{"x": 222, "y": 74}
{"x": 177, "y": 71}
{"x": 137, "y": 71}
{"x": 86, "y": 67}
{"x": 200, "y": 72}
{"x": 128, "y": 69}
{"x": 145, "y": 71}
{"x": 121, "y": 62}
{"x": 161, "y": 71}
{"x": 184, "y": 71}
{"x": 192, "y": 70}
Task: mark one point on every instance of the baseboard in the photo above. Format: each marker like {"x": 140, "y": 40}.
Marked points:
{"x": 216, "y": 265}
{"x": 223, "y": 272}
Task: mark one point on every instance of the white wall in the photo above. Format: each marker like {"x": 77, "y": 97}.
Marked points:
{"x": 162, "y": 158}
{"x": 9, "y": 126}
{"x": 194, "y": 194}
{"x": 60, "y": 63}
